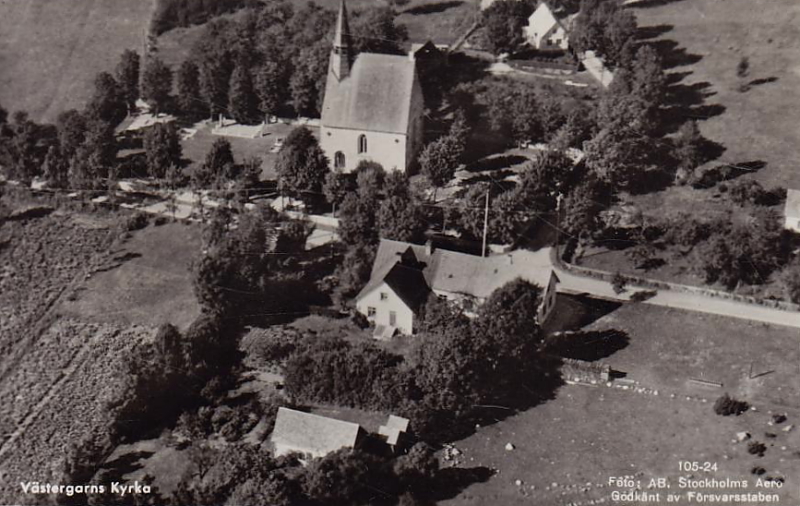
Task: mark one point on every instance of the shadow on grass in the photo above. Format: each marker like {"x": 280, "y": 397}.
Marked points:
{"x": 758, "y": 82}
{"x": 126, "y": 464}
{"x": 651, "y": 32}
{"x": 589, "y": 346}
{"x": 722, "y": 173}
{"x": 452, "y": 481}
{"x": 433, "y": 8}
{"x": 574, "y": 312}
{"x": 672, "y": 55}
{"x": 646, "y": 4}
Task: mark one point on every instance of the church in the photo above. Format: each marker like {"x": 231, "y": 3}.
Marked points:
{"x": 373, "y": 107}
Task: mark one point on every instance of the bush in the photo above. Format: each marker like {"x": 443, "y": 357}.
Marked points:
{"x": 726, "y": 406}
{"x": 756, "y": 448}
{"x": 136, "y": 222}
{"x": 618, "y": 283}
{"x": 643, "y": 295}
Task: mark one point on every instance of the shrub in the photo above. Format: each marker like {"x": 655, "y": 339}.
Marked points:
{"x": 136, "y": 222}
{"x": 643, "y": 295}
{"x": 618, "y": 283}
{"x": 756, "y": 448}
{"x": 727, "y": 405}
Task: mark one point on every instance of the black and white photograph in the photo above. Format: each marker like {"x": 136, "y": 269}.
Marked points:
{"x": 399, "y": 252}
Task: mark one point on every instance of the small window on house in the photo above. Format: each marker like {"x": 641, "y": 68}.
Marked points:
{"x": 392, "y": 318}
{"x": 384, "y": 296}
{"x": 442, "y": 297}
{"x": 338, "y": 160}
{"x": 370, "y": 312}
{"x": 362, "y": 143}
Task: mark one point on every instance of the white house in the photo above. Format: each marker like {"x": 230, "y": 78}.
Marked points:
{"x": 791, "y": 211}
{"x": 312, "y": 435}
{"x": 545, "y": 32}
{"x": 404, "y": 275}
{"x": 372, "y": 108}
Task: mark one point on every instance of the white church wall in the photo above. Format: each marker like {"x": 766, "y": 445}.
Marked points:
{"x": 387, "y": 149}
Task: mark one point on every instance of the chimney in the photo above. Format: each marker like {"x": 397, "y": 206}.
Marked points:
{"x": 429, "y": 247}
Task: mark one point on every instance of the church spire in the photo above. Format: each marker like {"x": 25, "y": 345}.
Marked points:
{"x": 341, "y": 55}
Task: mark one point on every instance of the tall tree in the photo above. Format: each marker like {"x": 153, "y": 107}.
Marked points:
{"x": 688, "y": 149}
{"x": 503, "y": 22}
{"x": 337, "y": 186}
{"x": 71, "y": 126}
{"x": 243, "y": 105}
{"x": 190, "y": 98}
{"x": 301, "y": 165}
{"x": 108, "y": 101}
{"x": 157, "y": 84}
{"x": 162, "y": 146}
{"x": 374, "y": 30}
{"x": 271, "y": 83}
{"x": 128, "y": 70}
{"x": 95, "y": 157}
{"x": 439, "y": 161}
{"x": 400, "y": 218}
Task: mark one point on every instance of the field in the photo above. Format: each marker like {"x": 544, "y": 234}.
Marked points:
{"x": 51, "y": 51}
{"x": 76, "y": 298}
{"x": 589, "y": 433}
{"x": 153, "y": 285}
{"x": 702, "y": 42}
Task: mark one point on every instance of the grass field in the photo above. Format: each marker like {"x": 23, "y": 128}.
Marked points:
{"x": 589, "y": 433}
{"x": 703, "y": 41}
{"x": 152, "y": 287}
{"x": 50, "y": 51}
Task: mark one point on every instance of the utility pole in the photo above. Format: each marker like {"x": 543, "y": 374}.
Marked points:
{"x": 485, "y": 223}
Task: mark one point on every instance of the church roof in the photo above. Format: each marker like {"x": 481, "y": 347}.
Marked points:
{"x": 375, "y": 97}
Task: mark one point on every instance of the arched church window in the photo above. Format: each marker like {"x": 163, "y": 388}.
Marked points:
{"x": 362, "y": 143}
{"x": 338, "y": 160}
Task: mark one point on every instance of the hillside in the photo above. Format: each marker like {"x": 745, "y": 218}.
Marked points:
{"x": 51, "y": 50}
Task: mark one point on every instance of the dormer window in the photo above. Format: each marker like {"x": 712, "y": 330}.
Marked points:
{"x": 384, "y": 296}
{"x": 362, "y": 144}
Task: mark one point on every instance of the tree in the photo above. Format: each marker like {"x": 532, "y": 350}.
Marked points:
{"x": 649, "y": 83}
{"x": 506, "y": 218}
{"x": 581, "y": 212}
{"x": 218, "y": 164}
{"x": 307, "y": 84}
{"x": 162, "y": 147}
{"x": 71, "y": 126}
{"x": 417, "y": 469}
{"x": 439, "y": 161}
{"x": 128, "y": 77}
{"x": 472, "y": 210}
{"x": 370, "y": 178}
{"x": 576, "y": 129}
{"x": 190, "y": 99}
{"x": 400, "y": 219}
{"x": 108, "y": 101}
{"x": 55, "y": 168}
{"x": 243, "y": 104}
{"x": 503, "y": 22}
{"x": 525, "y": 120}
{"x": 374, "y": 31}
{"x": 157, "y": 84}
{"x": 95, "y": 157}
{"x": 337, "y": 186}
{"x": 357, "y": 221}
{"x": 353, "y": 273}
{"x": 271, "y": 84}
{"x": 214, "y": 81}
{"x": 301, "y": 165}
{"x": 605, "y": 27}
{"x": 687, "y": 149}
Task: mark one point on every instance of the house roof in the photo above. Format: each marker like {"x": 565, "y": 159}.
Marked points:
{"x": 792, "y": 208}
{"x": 447, "y": 271}
{"x": 395, "y": 426}
{"x": 376, "y": 96}
{"x": 314, "y": 434}
{"x": 542, "y": 18}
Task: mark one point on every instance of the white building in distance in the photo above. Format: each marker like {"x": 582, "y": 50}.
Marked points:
{"x": 373, "y": 107}
{"x": 545, "y": 32}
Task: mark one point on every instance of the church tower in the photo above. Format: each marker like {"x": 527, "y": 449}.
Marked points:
{"x": 341, "y": 54}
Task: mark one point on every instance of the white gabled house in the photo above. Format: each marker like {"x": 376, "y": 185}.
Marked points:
{"x": 545, "y": 32}
{"x": 404, "y": 275}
